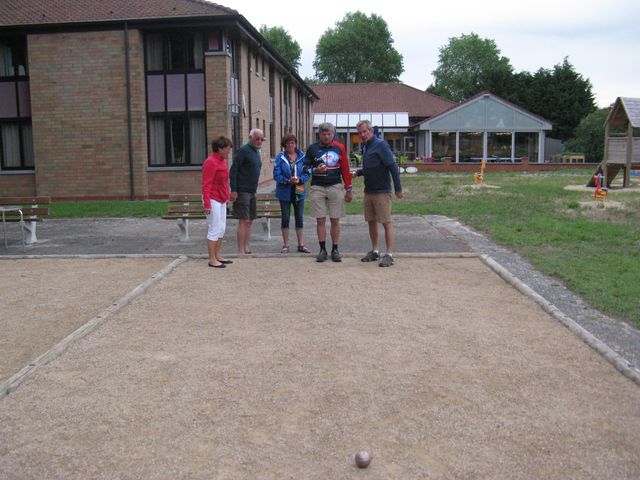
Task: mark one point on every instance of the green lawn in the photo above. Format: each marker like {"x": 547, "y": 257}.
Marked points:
{"x": 594, "y": 250}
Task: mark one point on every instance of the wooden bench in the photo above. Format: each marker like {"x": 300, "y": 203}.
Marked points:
{"x": 185, "y": 207}
{"x": 28, "y": 211}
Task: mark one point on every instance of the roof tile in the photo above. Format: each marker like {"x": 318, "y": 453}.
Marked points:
{"x": 46, "y": 12}
{"x": 378, "y": 97}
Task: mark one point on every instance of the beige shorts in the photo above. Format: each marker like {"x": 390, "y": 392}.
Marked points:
{"x": 377, "y": 207}
{"x": 327, "y": 201}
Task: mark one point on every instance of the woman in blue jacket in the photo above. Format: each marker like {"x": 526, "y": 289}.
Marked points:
{"x": 290, "y": 188}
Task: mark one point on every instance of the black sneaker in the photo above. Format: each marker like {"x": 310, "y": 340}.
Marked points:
{"x": 370, "y": 257}
{"x": 335, "y": 255}
{"x": 387, "y": 261}
{"x": 322, "y": 256}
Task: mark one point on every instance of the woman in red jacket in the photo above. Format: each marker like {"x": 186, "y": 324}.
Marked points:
{"x": 215, "y": 195}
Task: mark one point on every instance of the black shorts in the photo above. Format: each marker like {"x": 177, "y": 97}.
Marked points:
{"x": 244, "y": 208}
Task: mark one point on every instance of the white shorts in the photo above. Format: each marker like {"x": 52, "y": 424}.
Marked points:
{"x": 217, "y": 221}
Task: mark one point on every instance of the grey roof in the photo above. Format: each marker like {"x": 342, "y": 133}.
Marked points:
{"x": 632, "y": 107}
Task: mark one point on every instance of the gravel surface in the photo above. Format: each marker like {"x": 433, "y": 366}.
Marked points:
{"x": 436, "y": 366}
{"x": 621, "y": 337}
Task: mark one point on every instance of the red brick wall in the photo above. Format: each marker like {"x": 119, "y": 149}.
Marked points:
{"x": 17, "y": 185}
{"x": 163, "y": 183}
{"x": 79, "y": 114}
{"x": 79, "y": 117}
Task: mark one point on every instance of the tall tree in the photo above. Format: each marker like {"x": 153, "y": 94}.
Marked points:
{"x": 560, "y": 95}
{"x": 359, "y": 49}
{"x": 283, "y": 43}
{"x": 468, "y": 65}
{"x": 589, "y": 136}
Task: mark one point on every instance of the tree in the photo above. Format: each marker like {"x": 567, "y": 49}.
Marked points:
{"x": 359, "y": 49}
{"x": 589, "y": 136}
{"x": 469, "y": 65}
{"x": 283, "y": 43}
{"x": 560, "y": 95}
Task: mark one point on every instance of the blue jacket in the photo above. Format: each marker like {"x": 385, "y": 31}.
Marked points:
{"x": 378, "y": 167}
{"x": 282, "y": 173}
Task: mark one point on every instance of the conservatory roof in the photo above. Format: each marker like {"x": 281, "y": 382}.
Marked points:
{"x": 377, "y": 119}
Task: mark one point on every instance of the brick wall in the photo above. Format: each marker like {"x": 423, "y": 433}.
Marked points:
{"x": 138, "y": 115}
{"x": 79, "y": 114}
{"x": 218, "y": 95}
{"x": 17, "y": 185}
{"x": 163, "y": 183}
{"x": 80, "y": 126}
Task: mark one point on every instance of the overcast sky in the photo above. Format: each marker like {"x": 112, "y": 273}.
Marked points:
{"x": 600, "y": 38}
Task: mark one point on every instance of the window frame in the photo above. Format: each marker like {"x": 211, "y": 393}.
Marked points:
{"x": 19, "y": 55}
{"x": 188, "y": 66}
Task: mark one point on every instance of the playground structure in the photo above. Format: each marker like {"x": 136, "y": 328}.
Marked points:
{"x": 478, "y": 177}
{"x": 621, "y": 149}
{"x": 601, "y": 193}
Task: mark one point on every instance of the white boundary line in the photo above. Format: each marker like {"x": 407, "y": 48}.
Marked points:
{"x": 16, "y": 380}
{"x": 619, "y": 362}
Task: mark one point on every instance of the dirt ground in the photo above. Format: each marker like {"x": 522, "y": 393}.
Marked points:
{"x": 44, "y": 300}
{"x": 285, "y": 368}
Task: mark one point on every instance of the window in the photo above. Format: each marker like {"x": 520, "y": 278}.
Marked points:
{"x": 471, "y": 146}
{"x": 16, "y": 142}
{"x": 499, "y": 146}
{"x": 395, "y": 142}
{"x": 272, "y": 130}
{"x": 443, "y": 144}
{"x": 410, "y": 147}
{"x": 299, "y": 113}
{"x": 235, "y": 95}
{"x": 286, "y": 107}
{"x": 526, "y": 146}
{"x": 175, "y": 98}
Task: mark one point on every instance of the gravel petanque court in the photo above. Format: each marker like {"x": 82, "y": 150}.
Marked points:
{"x": 285, "y": 368}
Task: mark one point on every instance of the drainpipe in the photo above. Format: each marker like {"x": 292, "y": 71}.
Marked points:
{"x": 129, "y": 125}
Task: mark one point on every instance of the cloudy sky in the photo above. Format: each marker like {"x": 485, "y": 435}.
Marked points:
{"x": 600, "y": 38}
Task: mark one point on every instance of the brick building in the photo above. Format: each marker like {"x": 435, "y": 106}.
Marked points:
{"x": 121, "y": 98}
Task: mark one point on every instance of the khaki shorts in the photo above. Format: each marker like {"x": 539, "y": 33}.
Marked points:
{"x": 244, "y": 208}
{"x": 377, "y": 207}
{"x": 327, "y": 201}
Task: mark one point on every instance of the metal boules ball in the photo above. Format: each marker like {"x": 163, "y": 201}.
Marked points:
{"x": 363, "y": 459}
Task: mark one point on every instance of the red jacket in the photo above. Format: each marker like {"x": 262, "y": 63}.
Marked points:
{"x": 215, "y": 180}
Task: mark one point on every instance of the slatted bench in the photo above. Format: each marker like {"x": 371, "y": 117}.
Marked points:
{"x": 28, "y": 211}
{"x": 184, "y": 207}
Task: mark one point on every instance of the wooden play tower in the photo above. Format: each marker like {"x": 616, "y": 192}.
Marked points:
{"x": 621, "y": 148}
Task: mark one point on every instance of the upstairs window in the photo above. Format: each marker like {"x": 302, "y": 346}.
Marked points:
{"x": 176, "y": 98}
{"x": 16, "y": 143}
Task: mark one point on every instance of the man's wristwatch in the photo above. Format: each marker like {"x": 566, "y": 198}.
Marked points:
{"x": 348, "y": 189}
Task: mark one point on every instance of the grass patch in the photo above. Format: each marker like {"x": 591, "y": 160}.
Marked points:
{"x": 112, "y": 208}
